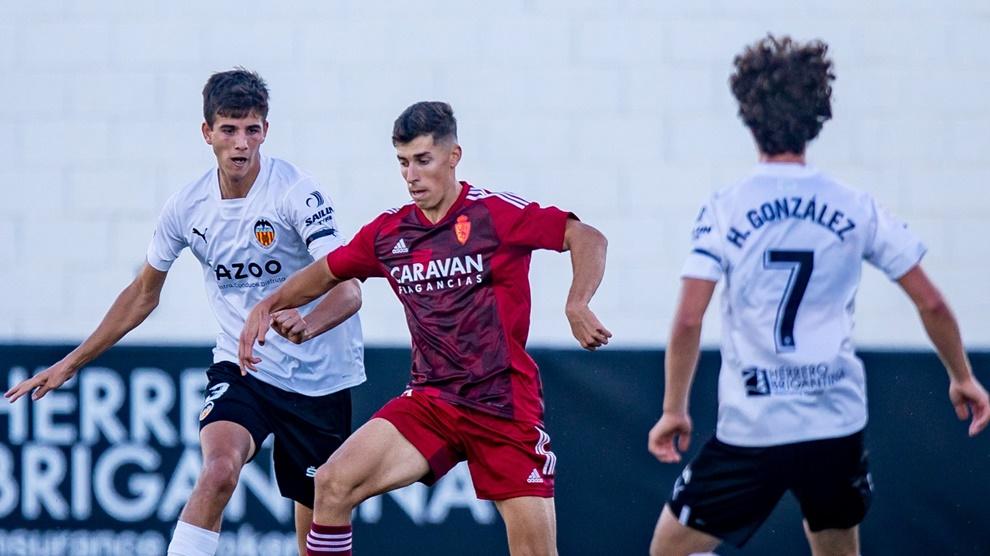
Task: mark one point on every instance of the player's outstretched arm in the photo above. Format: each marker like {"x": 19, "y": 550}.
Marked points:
{"x": 587, "y": 246}
{"x": 132, "y": 306}
{"x": 680, "y": 362}
{"x": 336, "y": 307}
{"x": 301, "y": 288}
{"x": 965, "y": 392}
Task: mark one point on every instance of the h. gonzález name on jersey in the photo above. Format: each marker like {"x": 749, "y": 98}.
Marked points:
{"x": 794, "y": 207}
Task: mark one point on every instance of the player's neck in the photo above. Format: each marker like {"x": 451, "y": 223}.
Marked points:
{"x": 782, "y": 158}
{"x": 440, "y": 210}
{"x": 233, "y": 188}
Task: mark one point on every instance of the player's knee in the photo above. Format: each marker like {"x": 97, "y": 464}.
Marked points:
{"x": 657, "y": 547}
{"x": 219, "y": 475}
{"x": 332, "y": 489}
{"x": 530, "y": 539}
{"x": 835, "y": 551}
{"x": 539, "y": 548}
{"x": 534, "y": 547}
{"x": 662, "y": 546}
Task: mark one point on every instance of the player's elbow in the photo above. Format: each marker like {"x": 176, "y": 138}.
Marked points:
{"x": 934, "y": 306}
{"x": 140, "y": 298}
{"x": 356, "y": 303}
{"x": 686, "y": 324}
{"x": 352, "y": 293}
{"x": 688, "y": 319}
{"x": 150, "y": 304}
{"x": 596, "y": 237}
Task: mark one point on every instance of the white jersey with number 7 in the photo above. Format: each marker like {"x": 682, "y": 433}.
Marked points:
{"x": 789, "y": 242}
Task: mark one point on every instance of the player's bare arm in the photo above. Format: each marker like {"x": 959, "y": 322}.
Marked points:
{"x": 131, "y": 307}
{"x": 967, "y": 395}
{"x": 301, "y": 288}
{"x": 587, "y": 246}
{"x": 336, "y": 307}
{"x": 680, "y": 362}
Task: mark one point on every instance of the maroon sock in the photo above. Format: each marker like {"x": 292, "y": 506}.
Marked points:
{"x": 329, "y": 540}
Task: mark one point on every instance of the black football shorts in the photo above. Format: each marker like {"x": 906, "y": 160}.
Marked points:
{"x": 729, "y": 491}
{"x": 307, "y": 429}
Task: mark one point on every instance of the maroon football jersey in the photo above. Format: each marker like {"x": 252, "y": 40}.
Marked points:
{"x": 464, "y": 283}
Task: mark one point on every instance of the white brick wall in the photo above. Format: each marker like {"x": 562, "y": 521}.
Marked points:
{"x": 618, "y": 110}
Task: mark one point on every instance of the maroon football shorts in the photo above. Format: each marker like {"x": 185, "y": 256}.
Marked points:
{"x": 507, "y": 458}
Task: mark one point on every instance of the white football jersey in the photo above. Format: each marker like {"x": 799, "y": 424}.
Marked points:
{"x": 790, "y": 242}
{"x": 248, "y": 247}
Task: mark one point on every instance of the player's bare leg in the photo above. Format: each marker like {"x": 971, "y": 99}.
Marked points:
{"x": 226, "y": 446}
{"x": 833, "y": 542}
{"x": 304, "y": 518}
{"x": 375, "y": 459}
{"x": 530, "y": 524}
{"x": 672, "y": 538}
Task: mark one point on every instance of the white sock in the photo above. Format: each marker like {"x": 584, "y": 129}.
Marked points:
{"x": 189, "y": 540}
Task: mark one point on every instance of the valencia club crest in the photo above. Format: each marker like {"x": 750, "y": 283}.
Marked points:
{"x": 264, "y": 232}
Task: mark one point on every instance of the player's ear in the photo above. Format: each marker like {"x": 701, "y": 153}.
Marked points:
{"x": 264, "y": 131}
{"x": 455, "y": 155}
{"x": 206, "y": 133}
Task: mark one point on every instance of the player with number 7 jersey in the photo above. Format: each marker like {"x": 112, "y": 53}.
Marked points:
{"x": 788, "y": 240}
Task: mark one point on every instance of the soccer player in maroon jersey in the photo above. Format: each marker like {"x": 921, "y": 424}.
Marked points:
{"x": 458, "y": 259}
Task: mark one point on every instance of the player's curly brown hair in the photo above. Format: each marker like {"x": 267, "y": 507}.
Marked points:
{"x": 784, "y": 91}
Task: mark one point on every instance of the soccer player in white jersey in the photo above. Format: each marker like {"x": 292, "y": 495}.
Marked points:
{"x": 251, "y": 222}
{"x": 789, "y": 242}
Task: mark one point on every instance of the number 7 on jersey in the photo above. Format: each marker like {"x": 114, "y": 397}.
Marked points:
{"x": 800, "y": 264}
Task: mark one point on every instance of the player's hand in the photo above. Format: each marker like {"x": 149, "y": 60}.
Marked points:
{"x": 970, "y": 398}
{"x": 41, "y": 383}
{"x": 587, "y": 329}
{"x": 291, "y": 325}
{"x": 255, "y": 329}
{"x": 670, "y": 427}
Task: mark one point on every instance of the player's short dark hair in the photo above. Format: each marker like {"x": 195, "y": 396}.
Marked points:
{"x": 235, "y": 94}
{"x": 784, "y": 92}
{"x": 432, "y": 118}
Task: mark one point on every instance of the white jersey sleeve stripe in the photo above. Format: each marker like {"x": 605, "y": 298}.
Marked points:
{"x": 708, "y": 254}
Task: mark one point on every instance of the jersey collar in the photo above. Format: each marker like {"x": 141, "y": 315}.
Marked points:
{"x": 784, "y": 169}
{"x": 259, "y": 182}
{"x": 465, "y": 187}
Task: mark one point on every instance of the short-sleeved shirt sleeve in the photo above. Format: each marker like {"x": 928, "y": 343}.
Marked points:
{"x": 528, "y": 225}
{"x": 168, "y": 241}
{"x": 309, "y": 209}
{"x": 706, "y": 261}
{"x": 894, "y": 249}
{"x": 357, "y": 258}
